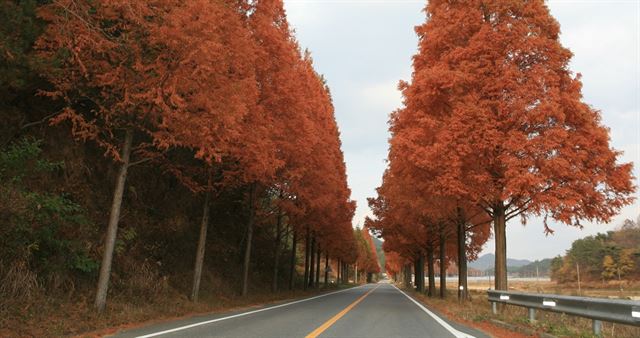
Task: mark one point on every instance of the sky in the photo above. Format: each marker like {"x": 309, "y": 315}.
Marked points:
{"x": 364, "y": 47}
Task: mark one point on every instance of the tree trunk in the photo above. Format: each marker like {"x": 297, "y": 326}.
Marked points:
{"x": 499, "y": 230}
{"x": 338, "y": 272}
{"x": 312, "y": 265}
{"x": 462, "y": 258}
{"x": 112, "y": 228}
{"x": 421, "y": 273}
{"x": 326, "y": 269}
{"x": 292, "y": 268}
{"x": 443, "y": 265}
{"x": 307, "y": 250}
{"x": 407, "y": 276}
{"x": 247, "y": 252}
{"x": 276, "y": 254}
{"x": 318, "y": 259}
{"x": 204, "y": 224}
{"x": 431, "y": 272}
{"x": 355, "y": 279}
{"x": 415, "y": 273}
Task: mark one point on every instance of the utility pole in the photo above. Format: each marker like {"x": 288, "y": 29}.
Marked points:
{"x": 578, "y": 269}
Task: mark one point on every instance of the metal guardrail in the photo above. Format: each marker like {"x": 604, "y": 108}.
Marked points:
{"x": 597, "y": 309}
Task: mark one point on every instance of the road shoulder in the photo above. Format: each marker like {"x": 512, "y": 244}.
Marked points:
{"x": 464, "y": 329}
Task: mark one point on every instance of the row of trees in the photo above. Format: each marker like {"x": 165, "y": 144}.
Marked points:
{"x": 493, "y": 127}
{"x": 367, "y": 262}
{"x": 218, "y": 95}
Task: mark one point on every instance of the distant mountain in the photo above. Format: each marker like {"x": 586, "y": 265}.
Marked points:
{"x": 487, "y": 261}
{"x": 537, "y": 268}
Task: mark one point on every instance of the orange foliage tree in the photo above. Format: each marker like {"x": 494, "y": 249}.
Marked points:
{"x": 310, "y": 183}
{"x": 103, "y": 71}
{"x": 493, "y": 122}
{"x": 210, "y": 99}
{"x": 367, "y": 255}
{"x": 219, "y": 95}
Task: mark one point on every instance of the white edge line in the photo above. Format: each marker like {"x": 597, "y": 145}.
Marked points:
{"x": 440, "y": 321}
{"x": 241, "y": 314}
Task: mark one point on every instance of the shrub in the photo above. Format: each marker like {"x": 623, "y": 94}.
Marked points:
{"x": 40, "y": 231}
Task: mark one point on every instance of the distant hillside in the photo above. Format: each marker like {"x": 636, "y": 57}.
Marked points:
{"x": 379, "y": 252}
{"x": 614, "y": 255}
{"x": 487, "y": 261}
{"x": 537, "y": 268}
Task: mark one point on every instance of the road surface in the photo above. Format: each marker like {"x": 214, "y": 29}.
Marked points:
{"x": 372, "y": 310}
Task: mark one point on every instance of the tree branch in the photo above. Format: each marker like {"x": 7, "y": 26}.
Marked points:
{"x": 520, "y": 211}
{"x": 44, "y": 119}
{"x": 475, "y": 225}
{"x": 144, "y": 160}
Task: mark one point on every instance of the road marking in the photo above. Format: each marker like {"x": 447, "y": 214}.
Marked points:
{"x": 340, "y": 314}
{"x": 440, "y": 321}
{"x": 240, "y": 314}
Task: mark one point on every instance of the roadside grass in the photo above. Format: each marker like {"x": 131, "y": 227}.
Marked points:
{"x": 477, "y": 313}
{"x": 54, "y": 317}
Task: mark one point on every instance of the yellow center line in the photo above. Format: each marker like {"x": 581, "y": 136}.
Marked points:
{"x": 337, "y": 317}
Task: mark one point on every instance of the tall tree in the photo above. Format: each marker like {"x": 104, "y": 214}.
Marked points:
{"x": 503, "y": 102}
{"x": 281, "y": 102}
{"x": 102, "y": 53}
{"x": 209, "y": 97}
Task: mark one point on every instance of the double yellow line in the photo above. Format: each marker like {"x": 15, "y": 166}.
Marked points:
{"x": 315, "y": 333}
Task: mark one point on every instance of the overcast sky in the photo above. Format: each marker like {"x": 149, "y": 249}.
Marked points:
{"x": 364, "y": 48}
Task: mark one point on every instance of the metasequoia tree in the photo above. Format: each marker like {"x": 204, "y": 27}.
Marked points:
{"x": 407, "y": 213}
{"x": 156, "y": 69}
{"x": 492, "y": 80}
{"x": 278, "y": 63}
{"x": 276, "y": 55}
{"x": 219, "y": 95}
{"x": 394, "y": 264}
{"x": 209, "y": 95}
{"x": 308, "y": 176}
{"x": 368, "y": 260}
{"x": 102, "y": 56}
{"x": 319, "y": 185}
{"x": 472, "y": 232}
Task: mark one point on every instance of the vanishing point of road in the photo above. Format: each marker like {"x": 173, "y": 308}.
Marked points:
{"x": 372, "y": 310}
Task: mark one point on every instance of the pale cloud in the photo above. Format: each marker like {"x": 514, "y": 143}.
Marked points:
{"x": 384, "y": 95}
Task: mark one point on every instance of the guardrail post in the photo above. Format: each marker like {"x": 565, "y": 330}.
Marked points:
{"x": 597, "y": 327}
{"x": 494, "y": 308}
{"x": 532, "y": 315}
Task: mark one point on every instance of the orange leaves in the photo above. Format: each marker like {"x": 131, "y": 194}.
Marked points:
{"x": 302, "y": 130}
{"x": 493, "y": 120}
{"x": 208, "y": 87}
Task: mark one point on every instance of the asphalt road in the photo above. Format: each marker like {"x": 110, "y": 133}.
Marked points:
{"x": 373, "y": 310}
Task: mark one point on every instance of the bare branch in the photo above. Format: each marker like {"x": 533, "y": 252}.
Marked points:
{"x": 44, "y": 119}
{"x": 144, "y": 160}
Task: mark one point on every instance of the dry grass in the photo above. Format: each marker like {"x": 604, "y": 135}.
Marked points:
{"x": 477, "y": 312}
{"x": 610, "y": 289}
{"x": 18, "y": 281}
